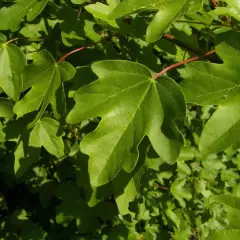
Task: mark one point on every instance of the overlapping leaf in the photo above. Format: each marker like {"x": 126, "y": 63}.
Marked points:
{"x": 228, "y": 234}
{"x": 101, "y": 11}
{"x": 44, "y": 77}
{"x": 11, "y": 17}
{"x": 208, "y": 83}
{"x": 130, "y": 104}
{"x": 233, "y": 9}
{"x": 6, "y": 108}
{"x": 12, "y": 62}
{"x": 25, "y": 155}
{"x": 168, "y": 12}
{"x": 233, "y": 203}
{"x": 44, "y": 134}
{"x": 29, "y": 143}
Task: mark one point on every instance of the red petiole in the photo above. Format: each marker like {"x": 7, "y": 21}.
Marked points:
{"x": 182, "y": 63}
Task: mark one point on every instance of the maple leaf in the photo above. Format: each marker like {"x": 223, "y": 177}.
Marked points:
{"x": 131, "y": 105}
{"x": 12, "y": 63}
{"x": 217, "y": 84}
{"x": 44, "y": 77}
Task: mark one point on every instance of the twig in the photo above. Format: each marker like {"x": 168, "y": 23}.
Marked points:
{"x": 182, "y": 63}
{"x": 214, "y": 3}
{"x": 77, "y": 50}
{"x": 12, "y": 40}
{"x": 19, "y": 38}
{"x": 201, "y": 23}
{"x": 164, "y": 188}
{"x": 176, "y": 41}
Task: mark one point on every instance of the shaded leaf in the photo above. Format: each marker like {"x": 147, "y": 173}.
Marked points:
{"x": 44, "y": 77}
{"x": 44, "y": 134}
{"x": 180, "y": 192}
{"x": 168, "y": 12}
{"x": 6, "y": 108}
{"x": 12, "y": 62}
{"x": 25, "y": 155}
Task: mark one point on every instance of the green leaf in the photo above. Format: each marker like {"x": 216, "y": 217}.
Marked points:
{"x": 101, "y": 11}
{"x": 233, "y": 217}
{"x": 76, "y": 27}
{"x": 129, "y": 102}
{"x": 228, "y": 199}
{"x": 11, "y": 17}
{"x": 73, "y": 208}
{"x": 2, "y": 134}
{"x": 12, "y": 62}
{"x": 209, "y": 83}
{"x": 36, "y": 9}
{"x": 174, "y": 107}
{"x": 6, "y": 108}
{"x": 3, "y": 38}
{"x": 168, "y": 12}
{"x": 67, "y": 71}
{"x": 222, "y": 130}
{"x": 232, "y": 10}
{"x": 228, "y": 234}
{"x": 44, "y": 134}
{"x": 164, "y": 18}
{"x": 126, "y": 186}
{"x": 25, "y": 155}
{"x": 44, "y": 77}
{"x": 180, "y": 192}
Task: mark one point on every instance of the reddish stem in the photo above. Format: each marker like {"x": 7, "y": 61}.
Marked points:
{"x": 164, "y": 188}
{"x": 182, "y": 63}
{"x": 214, "y": 3}
{"x": 77, "y": 50}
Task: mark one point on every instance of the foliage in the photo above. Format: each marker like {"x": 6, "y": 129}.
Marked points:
{"x": 96, "y": 142}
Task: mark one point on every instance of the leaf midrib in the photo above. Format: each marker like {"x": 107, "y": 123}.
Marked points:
{"x": 45, "y": 132}
{"x": 125, "y": 129}
{"x": 110, "y": 97}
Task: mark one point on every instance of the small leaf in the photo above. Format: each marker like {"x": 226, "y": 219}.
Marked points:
{"x": 180, "y": 192}
{"x": 6, "y": 108}
{"x": 25, "y": 155}
{"x": 45, "y": 134}
{"x": 101, "y": 11}
{"x": 67, "y": 71}
{"x": 164, "y": 18}
{"x": 126, "y": 186}
{"x": 44, "y": 77}
{"x": 12, "y": 62}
